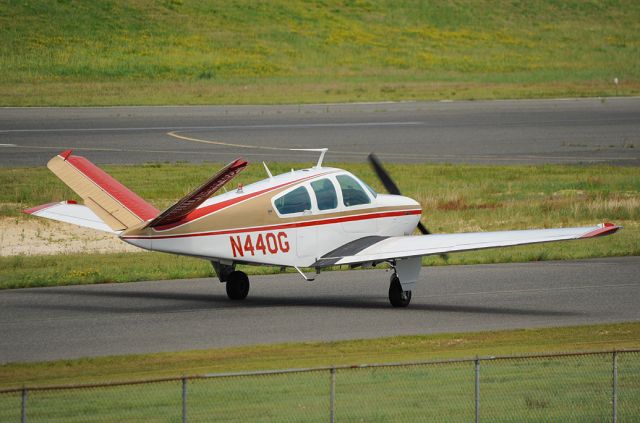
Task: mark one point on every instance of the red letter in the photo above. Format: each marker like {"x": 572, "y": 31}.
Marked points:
{"x": 284, "y": 245}
{"x": 236, "y": 246}
{"x": 260, "y": 245}
{"x": 272, "y": 244}
{"x": 248, "y": 245}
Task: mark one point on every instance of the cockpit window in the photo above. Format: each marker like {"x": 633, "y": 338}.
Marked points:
{"x": 325, "y": 194}
{"x": 352, "y": 192}
{"x": 295, "y": 201}
{"x": 371, "y": 190}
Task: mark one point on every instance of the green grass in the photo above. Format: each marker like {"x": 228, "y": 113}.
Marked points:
{"x": 567, "y": 389}
{"x": 455, "y": 198}
{"x": 575, "y": 389}
{"x": 191, "y": 52}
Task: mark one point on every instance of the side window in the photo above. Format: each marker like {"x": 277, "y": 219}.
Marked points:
{"x": 352, "y": 192}
{"x": 325, "y": 194}
{"x": 295, "y": 201}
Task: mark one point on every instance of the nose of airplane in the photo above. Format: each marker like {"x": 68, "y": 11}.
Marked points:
{"x": 386, "y": 200}
{"x": 410, "y": 201}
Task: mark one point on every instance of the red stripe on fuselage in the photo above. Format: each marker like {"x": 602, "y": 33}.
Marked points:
{"x": 303, "y": 224}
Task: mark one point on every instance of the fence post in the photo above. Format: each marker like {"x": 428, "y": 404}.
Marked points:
{"x": 477, "y": 383}
{"x": 332, "y": 396}
{"x": 23, "y": 414}
{"x": 614, "y": 390}
{"x": 184, "y": 400}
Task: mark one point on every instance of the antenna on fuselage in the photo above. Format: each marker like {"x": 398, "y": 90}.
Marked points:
{"x": 322, "y": 152}
{"x": 267, "y": 169}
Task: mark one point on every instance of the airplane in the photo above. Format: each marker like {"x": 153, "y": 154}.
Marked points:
{"x": 316, "y": 218}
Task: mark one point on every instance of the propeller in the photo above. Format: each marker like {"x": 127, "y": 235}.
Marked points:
{"x": 392, "y": 188}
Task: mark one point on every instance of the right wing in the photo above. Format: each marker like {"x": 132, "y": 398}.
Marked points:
{"x": 379, "y": 249}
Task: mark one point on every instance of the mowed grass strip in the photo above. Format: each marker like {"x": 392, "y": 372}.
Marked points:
{"x": 120, "y": 52}
{"x": 573, "y": 389}
{"x": 567, "y": 389}
{"x": 455, "y": 198}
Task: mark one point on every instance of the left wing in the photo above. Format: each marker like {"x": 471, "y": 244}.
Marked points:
{"x": 379, "y": 249}
{"x": 70, "y": 212}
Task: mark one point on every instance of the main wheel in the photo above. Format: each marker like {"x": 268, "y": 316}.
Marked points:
{"x": 237, "y": 285}
{"x": 398, "y": 297}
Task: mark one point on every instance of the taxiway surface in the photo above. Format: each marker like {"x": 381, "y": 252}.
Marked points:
{"x": 500, "y": 132}
{"x": 78, "y": 321}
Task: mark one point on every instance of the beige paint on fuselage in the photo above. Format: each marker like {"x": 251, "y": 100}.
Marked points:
{"x": 255, "y": 212}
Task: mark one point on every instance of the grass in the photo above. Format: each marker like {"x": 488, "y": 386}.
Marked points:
{"x": 573, "y": 390}
{"x": 568, "y": 389}
{"x": 190, "y": 52}
{"x": 455, "y": 198}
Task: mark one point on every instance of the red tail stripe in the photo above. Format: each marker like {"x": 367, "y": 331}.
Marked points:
{"x": 124, "y": 195}
{"x": 191, "y": 201}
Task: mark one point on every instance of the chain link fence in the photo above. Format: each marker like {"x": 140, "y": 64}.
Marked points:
{"x": 581, "y": 387}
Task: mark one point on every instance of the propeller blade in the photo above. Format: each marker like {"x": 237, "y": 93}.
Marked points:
{"x": 392, "y": 188}
{"x": 386, "y": 180}
{"x": 423, "y": 229}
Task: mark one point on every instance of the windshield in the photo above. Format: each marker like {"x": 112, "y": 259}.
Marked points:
{"x": 371, "y": 190}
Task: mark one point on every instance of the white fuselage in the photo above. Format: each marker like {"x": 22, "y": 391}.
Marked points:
{"x": 286, "y": 240}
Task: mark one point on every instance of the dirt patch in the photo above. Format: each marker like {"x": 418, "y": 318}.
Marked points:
{"x": 32, "y": 236}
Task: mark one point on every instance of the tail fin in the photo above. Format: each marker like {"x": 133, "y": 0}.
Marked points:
{"x": 198, "y": 196}
{"x": 119, "y": 207}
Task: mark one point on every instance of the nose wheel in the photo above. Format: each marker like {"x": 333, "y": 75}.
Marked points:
{"x": 237, "y": 285}
{"x": 398, "y": 297}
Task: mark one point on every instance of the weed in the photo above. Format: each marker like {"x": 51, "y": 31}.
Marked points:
{"x": 535, "y": 404}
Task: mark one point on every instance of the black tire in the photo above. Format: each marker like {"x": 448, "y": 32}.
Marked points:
{"x": 237, "y": 285}
{"x": 398, "y": 297}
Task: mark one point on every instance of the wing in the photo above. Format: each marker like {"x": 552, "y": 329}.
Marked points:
{"x": 70, "y": 212}
{"x": 379, "y": 249}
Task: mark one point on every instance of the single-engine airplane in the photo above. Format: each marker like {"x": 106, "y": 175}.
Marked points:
{"x": 312, "y": 218}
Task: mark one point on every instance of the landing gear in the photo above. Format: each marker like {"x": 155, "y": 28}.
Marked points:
{"x": 398, "y": 297}
{"x": 237, "y": 281}
{"x": 237, "y": 285}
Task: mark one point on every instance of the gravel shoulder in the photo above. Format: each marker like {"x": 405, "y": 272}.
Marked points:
{"x": 25, "y": 236}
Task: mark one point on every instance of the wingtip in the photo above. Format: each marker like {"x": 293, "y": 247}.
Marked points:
{"x": 65, "y": 154}
{"x": 36, "y": 209}
{"x": 606, "y": 228}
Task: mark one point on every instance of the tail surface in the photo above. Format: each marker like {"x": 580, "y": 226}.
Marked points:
{"x": 116, "y": 205}
{"x": 191, "y": 201}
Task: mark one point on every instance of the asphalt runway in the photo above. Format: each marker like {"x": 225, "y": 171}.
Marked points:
{"x": 78, "y": 321}
{"x": 498, "y": 132}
